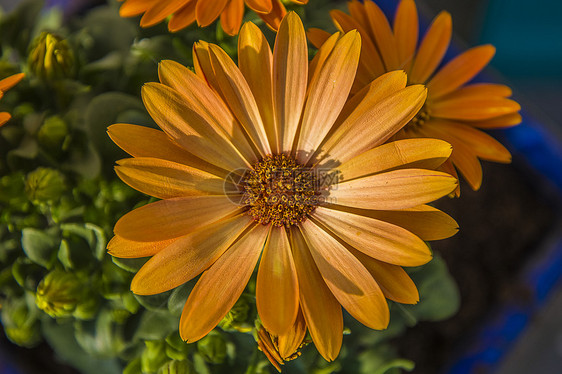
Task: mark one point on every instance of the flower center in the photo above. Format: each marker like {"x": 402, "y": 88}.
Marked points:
{"x": 280, "y": 191}
{"x": 422, "y": 117}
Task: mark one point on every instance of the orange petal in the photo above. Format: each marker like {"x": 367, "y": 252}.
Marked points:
{"x": 165, "y": 179}
{"x": 277, "y": 293}
{"x": 206, "y": 103}
{"x": 260, "y": 6}
{"x": 352, "y": 285}
{"x": 4, "y": 117}
{"x": 378, "y": 239}
{"x": 188, "y": 256}
{"x": 183, "y": 17}
{"x": 207, "y": 12}
{"x": 432, "y": 48}
{"x": 289, "y": 342}
{"x": 317, "y": 37}
{"x": 499, "y": 122}
{"x": 393, "y": 280}
{"x": 131, "y": 8}
{"x": 406, "y": 29}
{"x": 322, "y": 312}
{"x": 141, "y": 141}
{"x": 191, "y": 125}
{"x": 401, "y": 154}
{"x": 384, "y": 37}
{"x": 11, "y": 81}
{"x": 460, "y": 70}
{"x": 256, "y": 63}
{"x": 290, "y": 76}
{"x": 398, "y": 189}
{"x": 231, "y": 17}
{"x": 159, "y": 11}
{"x": 219, "y": 287}
{"x": 321, "y": 55}
{"x": 124, "y": 248}
{"x": 273, "y": 19}
{"x": 474, "y": 108}
{"x": 331, "y": 84}
{"x": 172, "y": 218}
{"x": 239, "y": 97}
{"x": 369, "y": 126}
{"x": 424, "y": 221}
{"x": 479, "y": 90}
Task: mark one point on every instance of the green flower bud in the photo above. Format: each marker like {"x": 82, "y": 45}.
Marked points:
{"x": 88, "y": 308}
{"x": 52, "y": 133}
{"x": 59, "y": 293}
{"x": 51, "y": 57}
{"x": 20, "y": 324}
{"x": 133, "y": 367}
{"x": 240, "y": 317}
{"x": 176, "y": 348}
{"x": 44, "y": 185}
{"x": 177, "y": 367}
{"x": 153, "y": 356}
{"x": 212, "y": 347}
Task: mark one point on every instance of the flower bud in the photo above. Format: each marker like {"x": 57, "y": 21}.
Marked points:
{"x": 20, "y": 324}
{"x": 240, "y": 317}
{"x": 51, "y": 57}
{"x": 153, "y": 356}
{"x": 212, "y": 347}
{"x": 59, "y": 293}
{"x": 44, "y": 185}
{"x": 52, "y": 133}
{"x": 176, "y": 348}
{"x": 177, "y": 367}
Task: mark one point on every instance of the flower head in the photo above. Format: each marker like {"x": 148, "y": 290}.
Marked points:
{"x": 184, "y": 12}
{"x": 5, "y": 85}
{"x": 51, "y": 57}
{"x": 454, "y": 111}
{"x": 269, "y": 159}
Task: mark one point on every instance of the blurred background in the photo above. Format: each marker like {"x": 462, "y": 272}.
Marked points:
{"x": 508, "y": 257}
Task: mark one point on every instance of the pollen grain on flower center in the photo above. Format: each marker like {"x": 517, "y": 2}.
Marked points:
{"x": 279, "y": 191}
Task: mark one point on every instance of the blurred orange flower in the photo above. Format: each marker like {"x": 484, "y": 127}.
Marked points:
{"x": 5, "y": 85}
{"x": 454, "y": 111}
{"x": 184, "y": 12}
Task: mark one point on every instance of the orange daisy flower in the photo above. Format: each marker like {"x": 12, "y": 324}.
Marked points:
{"x": 455, "y": 111}
{"x": 184, "y": 12}
{"x": 269, "y": 158}
{"x": 5, "y": 85}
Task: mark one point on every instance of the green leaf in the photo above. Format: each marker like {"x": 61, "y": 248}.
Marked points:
{"x": 61, "y": 338}
{"x": 156, "y": 325}
{"x": 131, "y": 265}
{"x": 178, "y": 297}
{"x": 101, "y": 337}
{"x": 40, "y": 246}
{"x": 156, "y": 302}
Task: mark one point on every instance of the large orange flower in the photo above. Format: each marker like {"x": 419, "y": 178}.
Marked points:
{"x": 5, "y": 85}
{"x": 184, "y": 12}
{"x": 268, "y": 158}
{"x": 455, "y": 111}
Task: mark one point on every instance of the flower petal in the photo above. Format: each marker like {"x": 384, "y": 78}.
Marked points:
{"x": 188, "y": 256}
{"x": 11, "y": 81}
{"x": 317, "y": 37}
{"x": 290, "y": 76}
{"x": 393, "y": 280}
{"x": 424, "y": 221}
{"x": 4, "y": 117}
{"x": 160, "y": 10}
{"x": 479, "y": 90}
{"x": 256, "y": 64}
{"x": 432, "y": 48}
{"x": 378, "y": 239}
{"x": 398, "y": 189}
{"x": 331, "y": 84}
{"x": 260, "y": 6}
{"x": 172, "y": 218}
{"x": 322, "y": 312}
{"x": 499, "y": 122}
{"x": 474, "y": 108}
{"x": 124, "y": 248}
{"x": 190, "y": 126}
{"x": 349, "y": 281}
{"x": 206, "y": 103}
{"x": 277, "y": 292}
{"x": 239, "y": 97}
{"x": 231, "y": 17}
{"x": 289, "y": 342}
{"x": 208, "y": 11}
{"x": 219, "y": 287}
{"x": 401, "y": 154}
{"x": 183, "y": 17}
{"x": 372, "y": 124}
{"x": 273, "y": 19}
{"x": 131, "y": 8}
{"x": 406, "y": 30}
{"x": 460, "y": 70}
{"x": 384, "y": 38}
{"x": 166, "y": 179}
